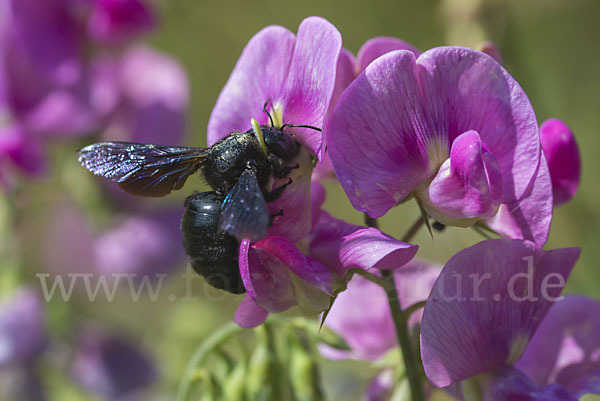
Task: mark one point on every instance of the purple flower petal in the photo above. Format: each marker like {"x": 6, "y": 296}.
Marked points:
{"x": 308, "y": 88}
{"x": 564, "y": 348}
{"x": 267, "y": 54}
{"x": 489, "y": 300}
{"x": 110, "y": 366}
{"x": 581, "y": 378}
{"x": 308, "y": 270}
{"x": 345, "y": 74}
{"x": 530, "y": 216}
{"x": 249, "y": 314}
{"x": 562, "y": 154}
{"x": 278, "y": 276}
{"x": 342, "y": 246}
{"x": 400, "y": 116}
{"x": 119, "y": 20}
{"x": 300, "y": 71}
{"x": 509, "y": 384}
{"x": 266, "y": 279}
{"x": 376, "y": 47}
{"x": 469, "y": 183}
{"x": 22, "y": 328}
{"x": 294, "y": 203}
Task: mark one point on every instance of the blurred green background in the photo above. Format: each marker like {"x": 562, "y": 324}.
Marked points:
{"x": 550, "y": 46}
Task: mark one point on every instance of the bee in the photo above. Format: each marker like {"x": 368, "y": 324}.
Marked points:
{"x": 238, "y": 168}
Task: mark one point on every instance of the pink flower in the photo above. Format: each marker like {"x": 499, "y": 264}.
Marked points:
{"x": 451, "y": 128}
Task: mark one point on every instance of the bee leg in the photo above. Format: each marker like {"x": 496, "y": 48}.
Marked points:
{"x": 277, "y": 192}
{"x": 279, "y": 213}
{"x": 279, "y": 170}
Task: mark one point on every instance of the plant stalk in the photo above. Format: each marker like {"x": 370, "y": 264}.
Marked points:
{"x": 400, "y": 318}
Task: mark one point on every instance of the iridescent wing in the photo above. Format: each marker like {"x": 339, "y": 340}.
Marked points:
{"x": 142, "y": 169}
{"x": 244, "y": 212}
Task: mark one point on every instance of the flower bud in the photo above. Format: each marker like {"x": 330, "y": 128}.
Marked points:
{"x": 233, "y": 385}
{"x": 562, "y": 154}
{"x": 304, "y": 372}
{"x": 262, "y": 381}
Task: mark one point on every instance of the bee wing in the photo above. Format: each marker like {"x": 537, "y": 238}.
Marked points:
{"x": 143, "y": 169}
{"x": 244, "y": 212}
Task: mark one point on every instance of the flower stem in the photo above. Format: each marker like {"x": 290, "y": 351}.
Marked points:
{"x": 400, "y": 318}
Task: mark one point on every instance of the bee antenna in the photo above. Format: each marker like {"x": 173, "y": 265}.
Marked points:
{"x": 300, "y": 126}
{"x": 266, "y": 111}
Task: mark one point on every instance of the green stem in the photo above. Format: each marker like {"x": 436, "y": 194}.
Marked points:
{"x": 217, "y": 339}
{"x": 400, "y": 318}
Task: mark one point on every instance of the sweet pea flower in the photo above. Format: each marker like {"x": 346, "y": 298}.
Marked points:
{"x": 117, "y": 21}
{"x": 278, "y": 274}
{"x": 451, "y": 128}
{"x": 22, "y": 328}
{"x": 296, "y": 74}
{"x": 110, "y": 366}
{"x": 483, "y": 312}
{"x": 367, "y": 327}
{"x": 562, "y": 154}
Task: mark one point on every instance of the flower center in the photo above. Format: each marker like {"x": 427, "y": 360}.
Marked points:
{"x": 276, "y": 113}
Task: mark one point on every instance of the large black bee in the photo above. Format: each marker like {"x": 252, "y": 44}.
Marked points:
{"x": 238, "y": 167}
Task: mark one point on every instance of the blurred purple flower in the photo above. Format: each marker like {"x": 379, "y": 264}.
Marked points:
{"x": 381, "y": 387}
{"x": 367, "y": 327}
{"x": 278, "y": 275}
{"x": 454, "y": 129}
{"x": 22, "y": 328}
{"x": 117, "y": 21}
{"x": 151, "y": 92}
{"x": 500, "y": 291}
{"x": 566, "y": 348}
{"x": 146, "y": 244}
{"x": 54, "y": 85}
{"x": 111, "y": 366}
{"x": 44, "y": 67}
{"x": 19, "y": 150}
{"x": 562, "y": 154}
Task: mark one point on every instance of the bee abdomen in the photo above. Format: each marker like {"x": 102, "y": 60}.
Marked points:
{"x": 213, "y": 254}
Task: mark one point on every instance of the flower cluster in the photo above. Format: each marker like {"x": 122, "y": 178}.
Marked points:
{"x": 451, "y": 129}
